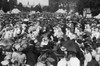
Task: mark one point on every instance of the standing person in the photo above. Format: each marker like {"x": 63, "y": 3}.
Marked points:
{"x": 73, "y": 60}
{"x": 1, "y": 56}
{"x": 31, "y": 55}
{"x": 70, "y": 59}
{"x": 21, "y": 58}
{"x": 88, "y": 56}
{"x": 97, "y": 56}
{"x": 14, "y": 58}
{"x": 63, "y": 61}
{"x": 93, "y": 62}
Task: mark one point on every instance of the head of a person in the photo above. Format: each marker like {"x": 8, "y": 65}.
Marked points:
{"x": 70, "y": 54}
{"x": 96, "y": 29}
{"x": 64, "y": 49}
{"x": 45, "y": 39}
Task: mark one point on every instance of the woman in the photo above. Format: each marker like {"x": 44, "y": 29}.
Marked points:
{"x": 31, "y": 55}
{"x": 70, "y": 58}
{"x": 63, "y": 61}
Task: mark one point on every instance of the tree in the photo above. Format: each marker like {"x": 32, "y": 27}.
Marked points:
{"x": 38, "y": 8}
{"x": 5, "y": 6}
{"x": 92, "y": 4}
{"x": 12, "y": 4}
{"x": 80, "y": 6}
{"x": 1, "y": 4}
{"x": 46, "y": 8}
{"x": 54, "y": 7}
{"x": 20, "y": 6}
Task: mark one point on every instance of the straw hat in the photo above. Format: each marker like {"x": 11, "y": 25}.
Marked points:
{"x": 5, "y": 62}
{"x": 17, "y": 46}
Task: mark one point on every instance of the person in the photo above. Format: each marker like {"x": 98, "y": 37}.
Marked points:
{"x": 31, "y": 55}
{"x": 63, "y": 61}
{"x": 97, "y": 56}
{"x": 72, "y": 59}
{"x": 14, "y": 58}
{"x": 88, "y": 56}
{"x": 1, "y": 56}
{"x": 93, "y": 62}
{"x": 21, "y": 58}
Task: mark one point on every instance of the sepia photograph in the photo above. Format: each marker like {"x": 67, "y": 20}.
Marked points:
{"x": 49, "y": 32}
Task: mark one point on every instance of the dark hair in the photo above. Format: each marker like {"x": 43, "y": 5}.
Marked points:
{"x": 71, "y": 53}
{"x": 16, "y": 62}
{"x": 94, "y": 38}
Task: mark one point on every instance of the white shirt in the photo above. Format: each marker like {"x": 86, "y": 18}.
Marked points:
{"x": 77, "y": 31}
{"x": 74, "y": 61}
{"x": 14, "y": 56}
{"x": 88, "y": 58}
{"x": 88, "y": 28}
{"x": 58, "y": 32}
{"x": 40, "y": 64}
{"x": 98, "y": 50}
{"x": 44, "y": 42}
{"x": 97, "y": 57}
{"x": 21, "y": 58}
{"x": 62, "y": 62}
{"x": 95, "y": 34}
{"x": 93, "y": 53}
{"x": 18, "y": 30}
{"x": 7, "y": 35}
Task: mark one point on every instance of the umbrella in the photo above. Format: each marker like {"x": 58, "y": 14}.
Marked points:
{"x": 6, "y": 44}
{"x": 70, "y": 46}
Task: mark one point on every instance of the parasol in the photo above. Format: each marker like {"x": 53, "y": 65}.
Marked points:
{"x": 70, "y": 45}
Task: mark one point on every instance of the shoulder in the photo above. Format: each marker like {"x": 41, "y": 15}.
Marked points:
{"x": 74, "y": 60}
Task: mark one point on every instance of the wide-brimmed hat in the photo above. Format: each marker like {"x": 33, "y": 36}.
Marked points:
{"x": 5, "y": 62}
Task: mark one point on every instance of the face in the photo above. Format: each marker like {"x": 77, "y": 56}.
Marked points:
{"x": 45, "y": 39}
{"x": 65, "y": 52}
{"x": 63, "y": 48}
{"x": 96, "y": 29}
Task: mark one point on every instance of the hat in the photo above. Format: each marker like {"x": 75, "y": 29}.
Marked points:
{"x": 79, "y": 41}
{"x": 26, "y": 20}
{"x": 70, "y": 46}
{"x": 17, "y": 46}
{"x": 5, "y": 62}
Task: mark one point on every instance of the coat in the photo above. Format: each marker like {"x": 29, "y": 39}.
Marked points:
{"x": 93, "y": 62}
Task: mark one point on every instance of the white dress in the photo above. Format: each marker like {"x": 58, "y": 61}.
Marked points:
{"x": 88, "y": 58}
{"x": 74, "y": 61}
{"x": 62, "y": 62}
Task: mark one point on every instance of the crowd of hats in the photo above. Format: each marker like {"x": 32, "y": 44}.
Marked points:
{"x": 45, "y": 20}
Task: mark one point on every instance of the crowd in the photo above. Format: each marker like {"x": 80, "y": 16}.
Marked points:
{"x": 48, "y": 39}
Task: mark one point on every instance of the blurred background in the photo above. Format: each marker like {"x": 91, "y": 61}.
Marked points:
{"x": 52, "y": 5}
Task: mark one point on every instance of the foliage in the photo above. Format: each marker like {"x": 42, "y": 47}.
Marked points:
{"x": 12, "y": 4}
{"x": 38, "y": 8}
{"x": 5, "y": 6}
{"x": 92, "y": 4}
{"x": 46, "y": 8}
{"x": 0, "y": 4}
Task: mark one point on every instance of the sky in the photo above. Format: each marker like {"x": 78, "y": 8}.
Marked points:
{"x": 35, "y": 2}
